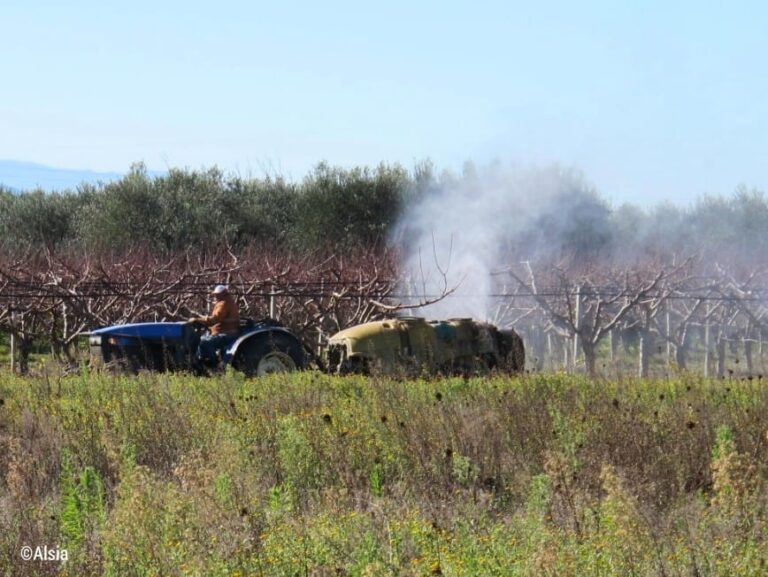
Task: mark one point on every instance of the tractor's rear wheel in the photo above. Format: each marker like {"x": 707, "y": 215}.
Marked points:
{"x": 270, "y": 353}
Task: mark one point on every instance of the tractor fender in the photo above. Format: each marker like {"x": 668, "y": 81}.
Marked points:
{"x": 242, "y": 340}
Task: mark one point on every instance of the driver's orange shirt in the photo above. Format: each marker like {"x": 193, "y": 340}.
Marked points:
{"x": 225, "y": 318}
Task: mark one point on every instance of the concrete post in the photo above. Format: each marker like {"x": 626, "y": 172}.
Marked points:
{"x": 13, "y": 343}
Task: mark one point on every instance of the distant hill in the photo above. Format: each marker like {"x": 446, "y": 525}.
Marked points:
{"x": 20, "y": 176}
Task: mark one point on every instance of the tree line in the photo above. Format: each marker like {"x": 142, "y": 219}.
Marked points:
{"x": 205, "y": 208}
{"x": 340, "y": 208}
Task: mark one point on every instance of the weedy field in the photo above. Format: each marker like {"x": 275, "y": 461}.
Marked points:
{"x": 312, "y": 475}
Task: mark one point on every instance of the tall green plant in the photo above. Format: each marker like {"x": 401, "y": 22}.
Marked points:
{"x": 83, "y": 507}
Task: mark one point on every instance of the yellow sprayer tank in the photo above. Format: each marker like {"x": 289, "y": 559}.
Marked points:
{"x": 413, "y": 345}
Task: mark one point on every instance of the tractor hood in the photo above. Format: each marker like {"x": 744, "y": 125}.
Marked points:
{"x": 143, "y": 330}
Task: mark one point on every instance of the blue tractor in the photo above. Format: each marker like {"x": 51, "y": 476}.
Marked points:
{"x": 262, "y": 347}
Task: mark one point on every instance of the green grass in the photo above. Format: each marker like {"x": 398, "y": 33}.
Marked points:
{"x": 313, "y": 475}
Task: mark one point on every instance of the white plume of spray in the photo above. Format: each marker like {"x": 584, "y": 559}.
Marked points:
{"x": 457, "y": 234}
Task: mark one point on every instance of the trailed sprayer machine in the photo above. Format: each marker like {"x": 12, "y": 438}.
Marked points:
{"x": 414, "y": 345}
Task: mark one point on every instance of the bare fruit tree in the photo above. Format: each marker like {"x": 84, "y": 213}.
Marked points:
{"x": 580, "y": 310}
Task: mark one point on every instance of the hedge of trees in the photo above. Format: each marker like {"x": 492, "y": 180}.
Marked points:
{"x": 186, "y": 208}
{"x": 337, "y": 208}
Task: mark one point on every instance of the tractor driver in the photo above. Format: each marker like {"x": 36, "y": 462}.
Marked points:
{"x": 223, "y": 323}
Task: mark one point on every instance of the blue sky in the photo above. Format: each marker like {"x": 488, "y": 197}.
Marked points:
{"x": 651, "y": 100}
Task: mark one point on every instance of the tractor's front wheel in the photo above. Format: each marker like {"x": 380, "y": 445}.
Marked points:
{"x": 270, "y": 353}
